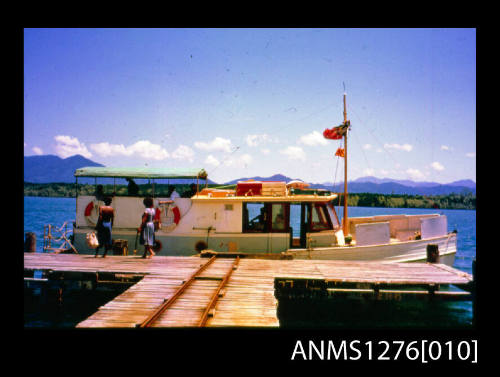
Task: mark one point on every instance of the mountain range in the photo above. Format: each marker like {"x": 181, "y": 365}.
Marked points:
{"x": 382, "y": 185}
{"x": 53, "y": 169}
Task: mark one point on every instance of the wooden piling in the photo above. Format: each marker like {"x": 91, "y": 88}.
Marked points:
{"x": 474, "y": 297}
{"x": 30, "y": 243}
{"x": 432, "y": 253}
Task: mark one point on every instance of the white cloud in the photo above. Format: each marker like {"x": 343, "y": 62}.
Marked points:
{"x": 437, "y": 166}
{"x": 68, "y": 146}
{"x": 367, "y": 147}
{"x": 404, "y": 147}
{"x": 217, "y": 144}
{"x": 294, "y": 153}
{"x": 211, "y": 160}
{"x": 471, "y": 154}
{"x": 255, "y": 140}
{"x": 143, "y": 148}
{"x": 105, "y": 149}
{"x": 183, "y": 152}
{"x": 384, "y": 172}
{"x": 446, "y": 148}
{"x": 415, "y": 174}
{"x": 239, "y": 161}
{"x": 313, "y": 139}
{"x": 265, "y": 151}
{"x": 37, "y": 150}
{"x": 25, "y": 145}
{"x": 148, "y": 150}
{"x": 369, "y": 171}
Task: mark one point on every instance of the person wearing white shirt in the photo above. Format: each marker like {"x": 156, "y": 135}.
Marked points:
{"x": 173, "y": 194}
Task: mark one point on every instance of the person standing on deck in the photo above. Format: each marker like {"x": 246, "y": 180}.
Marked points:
{"x": 147, "y": 228}
{"x": 133, "y": 189}
{"x": 172, "y": 193}
{"x": 104, "y": 226}
{"x": 99, "y": 192}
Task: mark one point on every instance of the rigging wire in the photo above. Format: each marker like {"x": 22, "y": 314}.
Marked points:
{"x": 373, "y": 135}
{"x": 229, "y": 155}
{"x": 362, "y": 151}
{"x": 239, "y": 147}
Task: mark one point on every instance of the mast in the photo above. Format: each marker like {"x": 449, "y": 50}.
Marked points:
{"x": 344, "y": 220}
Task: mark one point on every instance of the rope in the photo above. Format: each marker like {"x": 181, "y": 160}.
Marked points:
{"x": 335, "y": 177}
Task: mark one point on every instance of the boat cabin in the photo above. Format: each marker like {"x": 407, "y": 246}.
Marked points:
{"x": 252, "y": 217}
{"x": 263, "y": 217}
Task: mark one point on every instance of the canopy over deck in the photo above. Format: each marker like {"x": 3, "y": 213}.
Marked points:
{"x": 142, "y": 172}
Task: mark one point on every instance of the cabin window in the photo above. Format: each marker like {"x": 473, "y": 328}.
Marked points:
{"x": 319, "y": 218}
{"x": 228, "y": 207}
{"x": 279, "y": 217}
{"x": 254, "y": 217}
{"x": 265, "y": 217}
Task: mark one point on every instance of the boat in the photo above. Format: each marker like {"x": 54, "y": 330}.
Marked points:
{"x": 265, "y": 219}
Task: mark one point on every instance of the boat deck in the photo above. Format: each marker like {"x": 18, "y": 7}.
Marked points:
{"x": 225, "y": 292}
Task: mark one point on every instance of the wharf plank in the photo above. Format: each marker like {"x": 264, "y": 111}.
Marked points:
{"x": 248, "y": 298}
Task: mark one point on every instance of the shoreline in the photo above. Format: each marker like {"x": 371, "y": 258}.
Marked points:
{"x": 380, "y": 201}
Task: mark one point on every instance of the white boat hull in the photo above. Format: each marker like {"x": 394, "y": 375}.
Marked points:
{"x": 405, "y": 251}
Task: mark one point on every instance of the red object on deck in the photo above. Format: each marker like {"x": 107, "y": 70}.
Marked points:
{"x": 249, "y": 188}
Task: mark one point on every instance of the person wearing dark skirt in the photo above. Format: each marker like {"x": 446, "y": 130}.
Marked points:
{"x": 147, "y": 228}
{"x": 104, "y": 226}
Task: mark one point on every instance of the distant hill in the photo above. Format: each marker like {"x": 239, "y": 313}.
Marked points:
{"x": 53, "y": 169}
{"x": 396, "y": 188}
{"x": 384, "y": 186}
{"x": 404, "y": 182}
{"x": 276, "y": 177}
{"x": 465, "y": 183}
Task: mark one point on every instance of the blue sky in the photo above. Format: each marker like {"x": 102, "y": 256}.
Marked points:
{"x": 246, "y": 102}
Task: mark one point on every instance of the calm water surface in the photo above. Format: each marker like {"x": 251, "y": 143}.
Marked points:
{"x": 40, "y": 211}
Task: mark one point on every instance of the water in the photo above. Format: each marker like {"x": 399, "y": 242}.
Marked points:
{"x": 359, "y": 314}
{"x": 39, "y": 211}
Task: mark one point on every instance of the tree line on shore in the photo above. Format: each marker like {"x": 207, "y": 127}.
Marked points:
{"x": 451, "y": 201}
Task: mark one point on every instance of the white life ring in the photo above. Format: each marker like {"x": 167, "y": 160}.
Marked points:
{"x": 171, "y": 216}
{"x": 91, "y": 212}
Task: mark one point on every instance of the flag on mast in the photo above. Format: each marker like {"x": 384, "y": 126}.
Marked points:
{"x": 335, "y": 133}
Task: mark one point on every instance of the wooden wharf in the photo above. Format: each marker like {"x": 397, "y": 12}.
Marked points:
{"x": 217, "y": 291}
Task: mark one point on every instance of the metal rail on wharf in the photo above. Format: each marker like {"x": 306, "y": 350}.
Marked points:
{"x": 213, "y": 299}
{"x": 233, "y": 292}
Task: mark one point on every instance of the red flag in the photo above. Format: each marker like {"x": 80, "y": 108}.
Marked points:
{"x": 335, "y": 133}
{"x": 340, "y": 152}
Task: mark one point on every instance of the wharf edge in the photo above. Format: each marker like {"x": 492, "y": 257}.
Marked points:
{"x": 229, "y": 294}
